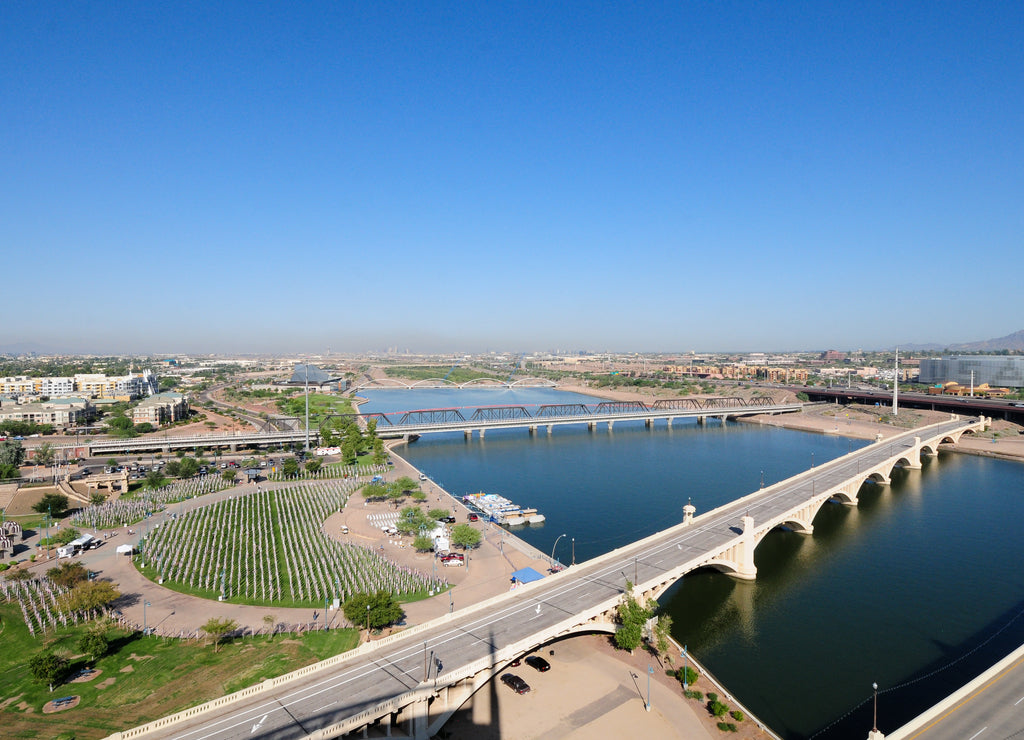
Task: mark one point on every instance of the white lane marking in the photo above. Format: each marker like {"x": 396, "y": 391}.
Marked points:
{"x": 258, "y": 725}
{"x": 1018, "y": 701}
{"x": 978, "y": 732}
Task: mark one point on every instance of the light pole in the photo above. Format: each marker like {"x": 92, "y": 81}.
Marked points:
{"x": 573, "y": 551}
{"x": 554, "y": 546}
{"x": 650, "y": 672}
{"x": 367, "y": 622}
{"x": 874, "y": 726}
{"x": 762, "y": 479}
{"x": 451, "y": 603}
{"x": 145, "y": 628}
{"x": 684, "y": 668}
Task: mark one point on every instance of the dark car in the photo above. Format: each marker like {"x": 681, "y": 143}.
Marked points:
{"x": 448, "y": 519}
{"x": 535, "y": 661}
{"x": 515, "y": 683}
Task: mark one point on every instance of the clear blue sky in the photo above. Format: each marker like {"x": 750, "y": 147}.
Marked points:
{"x": 252, "y": 177}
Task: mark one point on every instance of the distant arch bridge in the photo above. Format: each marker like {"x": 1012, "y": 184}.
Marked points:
{"x": 395, "y": 383}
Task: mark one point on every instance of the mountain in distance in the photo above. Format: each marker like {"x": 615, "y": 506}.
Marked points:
{"x": 1013, "y": 341}
{"x": 1010, "y": 341}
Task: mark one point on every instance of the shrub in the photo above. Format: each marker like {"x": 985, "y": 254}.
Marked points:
{"x": 712, "y": 696}
{"x": 727, "y": 727}
{"x": 691, "y": 694}
{"x": 737, "y": 715}
{"x": 717, "y": 708}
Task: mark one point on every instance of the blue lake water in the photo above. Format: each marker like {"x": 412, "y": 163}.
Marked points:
{"x": 919, "y": 579}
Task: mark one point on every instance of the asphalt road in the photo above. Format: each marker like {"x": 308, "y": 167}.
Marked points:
{"x": 366, "y": 680}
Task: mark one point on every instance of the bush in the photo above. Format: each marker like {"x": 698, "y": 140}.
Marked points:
{"x": 727, "y": 727}
{"x": 717, "y": 708}
{"x": 737, "y": 715}
{"x": 712, "y": 696}
{"x": 691, "y": 694}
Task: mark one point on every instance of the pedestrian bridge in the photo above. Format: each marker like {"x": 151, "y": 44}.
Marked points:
{"x": 413, "y": 681}
{"x": 385, "y": 383}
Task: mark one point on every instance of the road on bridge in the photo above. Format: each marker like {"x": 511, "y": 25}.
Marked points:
{"x": 328, "y": 696}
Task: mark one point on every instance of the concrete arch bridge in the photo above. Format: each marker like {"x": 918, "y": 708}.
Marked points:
{"x": 413, "y": 681}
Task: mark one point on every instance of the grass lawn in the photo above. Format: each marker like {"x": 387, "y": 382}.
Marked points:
{"x": 143, "y": 678}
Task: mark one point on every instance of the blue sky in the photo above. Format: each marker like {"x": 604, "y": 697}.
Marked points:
{"x": 292, "y": 177}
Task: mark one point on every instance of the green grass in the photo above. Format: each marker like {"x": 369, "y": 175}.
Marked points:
{"x": 165, "y": 675}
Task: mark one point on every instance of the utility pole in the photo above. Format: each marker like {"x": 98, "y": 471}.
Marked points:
{"x": 896, "y": 385}
{"x": 306, "y": 368}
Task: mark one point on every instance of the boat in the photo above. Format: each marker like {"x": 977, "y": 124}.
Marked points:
{"x": 500, "y": 510}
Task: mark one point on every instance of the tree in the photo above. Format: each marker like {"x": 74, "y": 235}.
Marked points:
{"x": 12, "y": 453}
{"x": 68, "y": 574}
{"x": 96, "y": 498}
{"x": 422, "y": 543}
{"x": 48, "y": 668}
{"x": 464, "y": 536}
{"x": 187, "y": 467}
{"x": 372, "y": 610}
{"x": 314, "y": 465}
{"x": 56, "y": 504}
{"x": 437, "y": 514}
{"x": 90, "y": 596}
{"x": 94, "y": 643}
{"x": 631, "y": 618}
{"x": 662, "y": 630}
{"x": 173, "y": 468}
{"x": 144, "y": 428}
{"x": 229, "y": 475}
{"x": 290, "y": 467}
{"x": 217, "y": 628}
{"x": 155, "y": 479}
{"x": 270, "y": 621}
{"x": 45, "y": 454}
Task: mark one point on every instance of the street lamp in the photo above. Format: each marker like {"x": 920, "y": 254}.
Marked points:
{"x": 874, "y": 726}
{"x": 554, "y": 546}
{"x": 367, "y": 622}
{"x": 684, "y": 668}
{"x": 573, "y": 551}
{"x": 650, "y": 672}
{"x": 145, "y": 629}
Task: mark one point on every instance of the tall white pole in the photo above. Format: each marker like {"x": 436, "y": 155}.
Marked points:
{"x": 896, "y": 385}
{"x": 972, "y": 384}
{"x": 306, "y": 367}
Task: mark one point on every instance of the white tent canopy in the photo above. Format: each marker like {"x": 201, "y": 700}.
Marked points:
{"x": 125, "y": 549}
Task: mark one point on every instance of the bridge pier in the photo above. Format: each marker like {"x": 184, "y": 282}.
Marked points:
{"x": 649, "y": 423}
{"x": 669, "y": 420}
{"x": 482, "y": 430}
{"x": 591, "y": 426}
{"x": 746, "y": 570}
{"x": 467, "y": 433}
{"x": 532, "y": 429}
{"x": 550, "y": 428}
{"x": 611, "y": 424}
{"x": 688, "y": 511}
{"x": 701, "y": 420}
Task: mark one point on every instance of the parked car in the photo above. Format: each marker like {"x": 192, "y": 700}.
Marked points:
{"x": 473, "y": 518}
{"x": 448, "y": 519}
{"x": 535, "y": 661}
{"x": 515, "y": 683}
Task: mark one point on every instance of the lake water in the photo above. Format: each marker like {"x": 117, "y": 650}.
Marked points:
{"x": 919, "y": 580}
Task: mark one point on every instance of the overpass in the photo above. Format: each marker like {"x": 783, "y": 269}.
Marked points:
{"x": 418, "y": 678}
{"x": 405, "y": 424}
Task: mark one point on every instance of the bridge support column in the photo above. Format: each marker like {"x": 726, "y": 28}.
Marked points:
{"x": 701, "y": 420}
{"x": 591, "y": 426}
{"x": 166, "y": 449}
{"x": 670, "y": 420}
{"x": 550, "y": 428}
{"x": 747, "y": 571}
{"x": 914, "y": 458}
{"x": 610, "y": 424}
{"x": 418, "y": 714}
{"x": 482, "y": 433}
{"x": 233, "y": 447}
{"x": 648, "y": 423}
{"x": 467, "y": 433}
{"x": 532, "y": 429}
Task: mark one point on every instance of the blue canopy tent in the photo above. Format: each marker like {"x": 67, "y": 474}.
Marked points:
{"x": 526, "y": 575}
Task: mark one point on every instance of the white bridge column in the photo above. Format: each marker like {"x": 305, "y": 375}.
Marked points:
{"x": 746, "y": 570}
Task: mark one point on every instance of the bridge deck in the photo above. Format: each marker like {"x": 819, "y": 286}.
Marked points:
{"x": 492, "y": 633}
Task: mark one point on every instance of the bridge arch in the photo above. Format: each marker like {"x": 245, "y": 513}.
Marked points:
{"x": 483, "y": 383}
{"x": 434, "y": 383}
{"x": 383, "y": 383}
{"x": 533, "y": 383}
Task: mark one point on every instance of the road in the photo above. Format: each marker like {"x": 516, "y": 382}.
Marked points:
{"x": 368, "y": 679}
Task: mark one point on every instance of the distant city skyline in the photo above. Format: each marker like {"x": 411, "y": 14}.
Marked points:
{"x": 657, "y": 177}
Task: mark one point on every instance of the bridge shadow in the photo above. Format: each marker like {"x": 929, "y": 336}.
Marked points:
{"x": 958, "y": 663}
